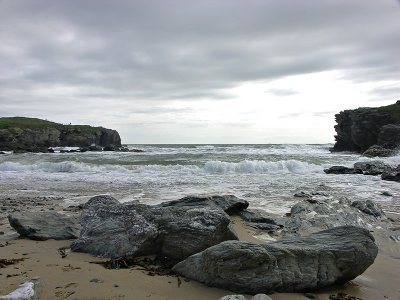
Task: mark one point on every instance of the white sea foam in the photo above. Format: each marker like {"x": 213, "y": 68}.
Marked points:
{"x": 262, "y": 167}
{"x": 60, "y": 167}
{"x": 211, "y": 167}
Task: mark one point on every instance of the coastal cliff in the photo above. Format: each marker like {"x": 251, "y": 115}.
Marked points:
{"x": 359, "y": 129}
{"x": 31, "y": 134}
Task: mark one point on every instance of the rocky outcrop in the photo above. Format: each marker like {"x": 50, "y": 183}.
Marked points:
{"x": 228, "y": 203}
{"x": 44, "y": 225}
{"x": 361, "y": 128}
{"x": 128, "y": 230}
{"x": 342, "y": 170}
{"x": 37, "y": 135}
{"x": 375, "y": 167}
{"x": 379, "y": 151}
{"x": 325, "y": 258}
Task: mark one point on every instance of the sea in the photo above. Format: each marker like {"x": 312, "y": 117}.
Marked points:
{"x": 268, "y": 176}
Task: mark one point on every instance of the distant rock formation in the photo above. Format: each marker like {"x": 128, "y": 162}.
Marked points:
{"x": 359, "y": 129}
{"x": 31, "y": 134}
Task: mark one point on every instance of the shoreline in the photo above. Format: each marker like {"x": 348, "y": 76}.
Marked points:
{"x": 74, "y": 277}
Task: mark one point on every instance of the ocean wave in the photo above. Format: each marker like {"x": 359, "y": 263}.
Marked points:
{"x": 262, "y": 167}
{"x": 60, "y": 167}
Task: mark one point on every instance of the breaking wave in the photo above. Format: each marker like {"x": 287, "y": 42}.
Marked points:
{"x": 261, "y": 167}
{"x": 211, "y": 167}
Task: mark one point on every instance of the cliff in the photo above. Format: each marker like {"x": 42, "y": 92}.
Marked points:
{"x": 359, "y": 129}
{"x": 18, "y": 133}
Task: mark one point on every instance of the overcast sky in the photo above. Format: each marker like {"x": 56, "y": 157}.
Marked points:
{"x": 206, "y": 71}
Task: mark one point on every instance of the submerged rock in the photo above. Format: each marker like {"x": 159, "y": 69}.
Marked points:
{"x": 45, "y": 225}
{"x": 127, "y": 230}
{"x": 342, "y": 170}
{"x": 229, "y": 203}
{"x": 322, "y": 259}
{"x": 391, "y": 176}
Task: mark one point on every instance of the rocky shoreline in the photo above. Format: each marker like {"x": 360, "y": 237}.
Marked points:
{"x": 184, "y": 234}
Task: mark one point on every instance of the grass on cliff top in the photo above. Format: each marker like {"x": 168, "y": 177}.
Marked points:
{"x": 34, "y": 123}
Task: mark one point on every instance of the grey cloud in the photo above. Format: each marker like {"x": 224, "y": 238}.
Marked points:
{"x": 282, "y": 92}
{"x": 178, "y": 50}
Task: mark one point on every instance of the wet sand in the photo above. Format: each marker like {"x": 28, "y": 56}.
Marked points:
{"x": 75, "y": 277}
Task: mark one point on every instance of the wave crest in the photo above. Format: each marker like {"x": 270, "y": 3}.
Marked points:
{"x": 262, "y": 167}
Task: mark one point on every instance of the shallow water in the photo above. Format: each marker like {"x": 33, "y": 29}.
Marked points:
{"x": 265, "y": 175}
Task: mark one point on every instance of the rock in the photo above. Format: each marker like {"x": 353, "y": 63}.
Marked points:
{"x": 256, "y": 220}
{"x": 359, "y": 129}
{"x": 391, "y": 176}
{"x": 44, "y": 225}
{"x": 342, "y": 170}
{"x": 376, "y": 150}
{"x": 233, "y": 297}
{"x": 95, "y": 148}
{"x": 327, "y": 213}
{"x": 100, "y": 200}
{"x": 136, "y": 150}
{"x": 111, "y": 148}
{"x": 322, "y": 259}
{"x": 389, "y": 136}
{"x": 386, "y": 193}
{"x": 26, "y": 291}
{"x": 302, "y": 195}
{"x": 229, "y": 203}
{"x": 261, "y": 297}
{"x": 127, "y": 230}
{"x": 369, "y": 207}
{"x": 374, "y": 167}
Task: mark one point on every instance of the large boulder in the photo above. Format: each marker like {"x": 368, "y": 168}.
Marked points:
{"x": 229, "y": 203}
{"x": 45, "y": 225}
{"x": 368, "y": 207}
{"x": 327, "y": 213}
{"x": 374, "y": 167}
{"x": 322, "y": 259}
{"x": 127, "y": 230}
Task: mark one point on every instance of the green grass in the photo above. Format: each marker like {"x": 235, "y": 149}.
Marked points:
{"x": 21, "y": 122}
{"x": 15, "y": 124}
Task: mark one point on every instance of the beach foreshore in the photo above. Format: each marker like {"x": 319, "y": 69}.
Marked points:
{"x": 79, "y": 276}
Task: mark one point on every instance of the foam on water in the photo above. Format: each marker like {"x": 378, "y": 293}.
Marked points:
{"x": 211, "y": 167}
{"x": 262, "y": 167}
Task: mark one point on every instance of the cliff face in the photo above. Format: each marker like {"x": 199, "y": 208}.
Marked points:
{"x": 34, "y": 134}
{"x": 361, "y": 128}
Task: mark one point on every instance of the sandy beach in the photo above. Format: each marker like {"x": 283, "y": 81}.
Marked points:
{"x": 77, "y": 276}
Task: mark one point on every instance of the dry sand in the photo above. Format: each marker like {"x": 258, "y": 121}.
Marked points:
{"x": 75, "y": 277}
